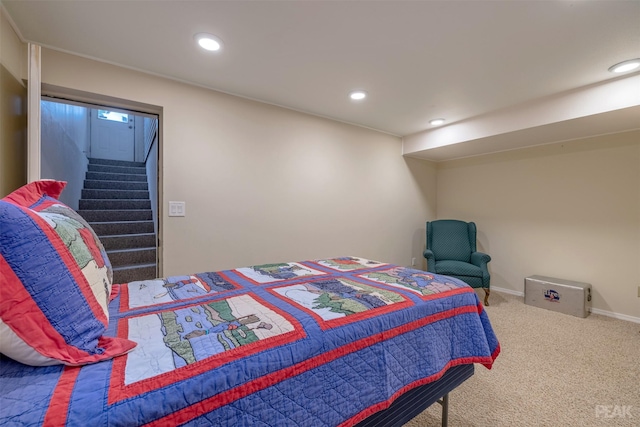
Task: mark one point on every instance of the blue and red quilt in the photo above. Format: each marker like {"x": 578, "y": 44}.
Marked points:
{"x": 325, "y": 342}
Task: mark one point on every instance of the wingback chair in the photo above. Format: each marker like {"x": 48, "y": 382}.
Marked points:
{"x": 451, "y": 250}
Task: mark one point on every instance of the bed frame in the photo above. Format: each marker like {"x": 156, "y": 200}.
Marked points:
{"x": 412, "y": 403}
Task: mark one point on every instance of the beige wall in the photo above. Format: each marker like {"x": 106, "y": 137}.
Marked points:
{"x": 13, "y": 109}
{"x": 569, "y": 210}
{"x": 266, "y": 184}
{"x": 13, "y": 52}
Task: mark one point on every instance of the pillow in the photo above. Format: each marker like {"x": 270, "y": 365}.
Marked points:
{"x": 55, "y": 282}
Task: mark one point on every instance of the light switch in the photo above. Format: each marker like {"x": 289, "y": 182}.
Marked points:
{"x": 177, "y": 209}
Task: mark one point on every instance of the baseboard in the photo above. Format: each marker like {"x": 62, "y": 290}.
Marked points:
{"x": 592, "y": 310}
{"x": 507, "y": 291}
{"x": 615, "y": 315}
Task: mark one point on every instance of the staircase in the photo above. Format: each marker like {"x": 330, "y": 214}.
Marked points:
{"x": 115, "y": 202}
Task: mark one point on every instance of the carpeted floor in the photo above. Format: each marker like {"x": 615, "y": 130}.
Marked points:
{"x": 553, "y": 370}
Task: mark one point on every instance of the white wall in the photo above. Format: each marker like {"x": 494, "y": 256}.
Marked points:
{"x": 569, "y": 210}
{"x": 63, "y": 147}
{"x": 266, "y": 184}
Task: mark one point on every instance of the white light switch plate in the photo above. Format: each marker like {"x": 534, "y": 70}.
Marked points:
{"x": 177, "y": 209}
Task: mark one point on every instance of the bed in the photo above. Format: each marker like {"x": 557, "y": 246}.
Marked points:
{"x": 327, "y": 342}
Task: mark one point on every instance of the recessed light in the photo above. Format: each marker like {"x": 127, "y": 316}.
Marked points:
{"x": 436, "y": 122}
{"x": 208, "y": 41}
{"x": 625, "y": 66}
{"x": 357, "y": 95}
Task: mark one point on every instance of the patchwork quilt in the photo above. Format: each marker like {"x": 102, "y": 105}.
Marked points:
{"x": 311, "y": 343}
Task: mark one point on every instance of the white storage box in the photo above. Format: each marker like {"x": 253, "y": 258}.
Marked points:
{"x": 564, "y": 296}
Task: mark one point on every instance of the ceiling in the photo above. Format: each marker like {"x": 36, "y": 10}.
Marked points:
{"x": 465, "y": 61}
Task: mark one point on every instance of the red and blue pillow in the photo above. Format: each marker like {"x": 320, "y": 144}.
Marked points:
{"x": 55, "y": 282}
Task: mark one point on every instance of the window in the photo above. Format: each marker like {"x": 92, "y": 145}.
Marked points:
{"x": 113, "y": 116}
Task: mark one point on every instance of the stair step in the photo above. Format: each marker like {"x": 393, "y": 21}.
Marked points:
{"x": 118, "y": 204}
{"x": 123, "y": 257}
{"x": 93, "y": 184}
{"x": 132, "y": 273}
{"x": 116, "y": 215}
{"x": 110, "y": 176}
{"x": 115, "y": 194}
{"x": 95, "y": 161}
{"x": 115, "y": 202}
{"x": 117, "y": 169}
{"x": 122, "y": 227}
{"x": 128, "y": 241}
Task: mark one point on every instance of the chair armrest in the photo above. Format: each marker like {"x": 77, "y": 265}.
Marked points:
{"x": 431, "y": 260}
{"x": 480, "y": 259}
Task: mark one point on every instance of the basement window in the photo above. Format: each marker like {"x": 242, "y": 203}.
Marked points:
{"x": 113, "y": 116}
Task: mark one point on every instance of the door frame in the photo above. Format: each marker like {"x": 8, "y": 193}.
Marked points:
{"x": 92, "y": 100}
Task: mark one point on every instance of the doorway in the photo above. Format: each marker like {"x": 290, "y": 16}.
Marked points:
{"x": 109, "y": 157}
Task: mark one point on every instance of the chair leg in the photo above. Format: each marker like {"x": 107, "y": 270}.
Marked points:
{"x": 487, "y": 291}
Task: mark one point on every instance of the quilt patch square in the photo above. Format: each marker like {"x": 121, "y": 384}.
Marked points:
{"x": 181, "y": 343}
{"x": 340, "y": 300}
{"x": 148, "y": 293}
{"x": 349, "y": 263}
{"x": 424, "y": 284}
{"x": 277, "y": 272}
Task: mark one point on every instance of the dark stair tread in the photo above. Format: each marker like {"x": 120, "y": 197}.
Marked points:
{"x": 114, "y": 194}
{"x": 111, "y": 200}
{"x": 110, "y": 228}
{"x": 109, "y": 176}
{"x": 103, "y": 184}
{"x": 118, "y": 210}
{"x": 142, "y": 248}
{"x": 114, "y": 204}
{"x": 97, "y": 161}
{"x": 129, "y": 267}
{"x": 104, "y": 215}
{"x": 132, "y": 256}
{"x": 143, "y": 221}
{"x": 129, "y": 235}
{"x": 117, "y": 169}
{"x": 125, "y": 241}
{"x": 134, "y": 272}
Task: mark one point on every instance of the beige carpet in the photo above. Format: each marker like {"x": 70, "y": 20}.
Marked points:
{"x": 553, "y": 370}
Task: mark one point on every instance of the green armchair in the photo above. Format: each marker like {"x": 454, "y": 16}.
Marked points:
{"x": 451, "y": 250}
